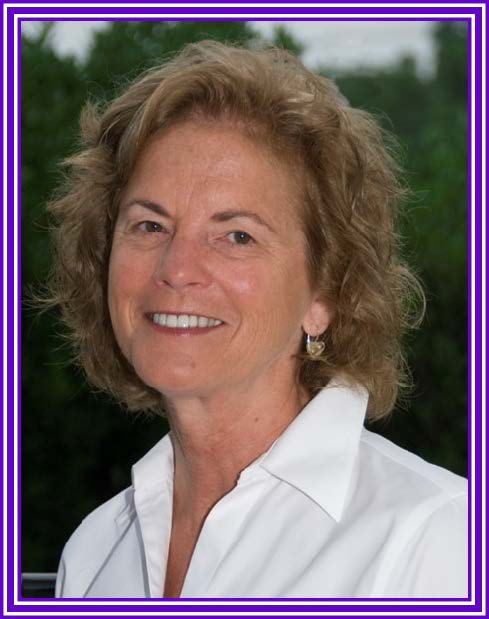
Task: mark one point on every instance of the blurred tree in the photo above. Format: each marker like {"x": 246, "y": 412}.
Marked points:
{"x": 77, "y": 447}
{"x": 284, "y": 39}
{"x": 122, "y": 52}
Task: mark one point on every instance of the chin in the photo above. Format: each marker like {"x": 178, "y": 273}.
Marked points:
{"x": 174, "y": 381}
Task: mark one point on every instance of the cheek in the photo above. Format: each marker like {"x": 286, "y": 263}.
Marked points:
{"x": 127, "y": 274}
{"x": 272, "y": 293}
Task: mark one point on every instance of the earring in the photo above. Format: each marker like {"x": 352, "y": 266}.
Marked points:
{"x": 313, "y": 346}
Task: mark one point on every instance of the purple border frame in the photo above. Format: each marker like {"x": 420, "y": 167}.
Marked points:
{"x": 434, "y": 11}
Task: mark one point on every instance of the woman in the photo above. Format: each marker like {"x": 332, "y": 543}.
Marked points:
{"x": 227, "y": 257}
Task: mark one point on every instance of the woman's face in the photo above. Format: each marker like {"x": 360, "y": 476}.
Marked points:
{"x": 208, "y": 287}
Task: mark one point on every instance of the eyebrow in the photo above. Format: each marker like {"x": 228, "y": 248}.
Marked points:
{"x": 222, "y": 216}
{"x": 228, "y": 215}
{"x": 152, "y": 206}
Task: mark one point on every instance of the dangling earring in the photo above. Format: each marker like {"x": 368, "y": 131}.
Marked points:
{"x": 314, "y": 347}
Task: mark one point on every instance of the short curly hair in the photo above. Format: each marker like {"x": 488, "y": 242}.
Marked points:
{"x": 351, "y": 194}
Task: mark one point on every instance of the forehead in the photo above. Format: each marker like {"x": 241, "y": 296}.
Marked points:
{"x": 218, "y": 157}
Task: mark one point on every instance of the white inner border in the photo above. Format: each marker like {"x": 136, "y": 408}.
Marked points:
{"x": 23, "y": 605}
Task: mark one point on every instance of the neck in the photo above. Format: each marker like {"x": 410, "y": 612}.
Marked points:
{"x": 217, "y": 436}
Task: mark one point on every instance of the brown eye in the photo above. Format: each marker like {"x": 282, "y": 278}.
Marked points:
{"x": 240, "y": 238}
{"x": 150, "y": 226}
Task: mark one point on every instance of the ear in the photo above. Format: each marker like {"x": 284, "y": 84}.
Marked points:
{"x": 317, "y": 318}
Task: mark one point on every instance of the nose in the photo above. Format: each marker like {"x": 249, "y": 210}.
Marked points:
{"x": 181, "y": 263}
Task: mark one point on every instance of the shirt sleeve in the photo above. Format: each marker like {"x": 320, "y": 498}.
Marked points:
{"x": 434, "y": 560}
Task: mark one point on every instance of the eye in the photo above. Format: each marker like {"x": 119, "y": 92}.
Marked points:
{"x": 240, "y": 238}
{"x": 149, "y": 226}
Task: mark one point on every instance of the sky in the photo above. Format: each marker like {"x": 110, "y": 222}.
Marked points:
{"x": 335, "y": 44}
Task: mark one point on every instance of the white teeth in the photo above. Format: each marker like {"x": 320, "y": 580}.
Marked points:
{"x": 171, "y": 320}
{"x": 184, "y": 321}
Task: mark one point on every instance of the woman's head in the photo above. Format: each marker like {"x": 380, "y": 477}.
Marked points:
{"x": 330, "y": 173}
{"x": 208, "y": 283}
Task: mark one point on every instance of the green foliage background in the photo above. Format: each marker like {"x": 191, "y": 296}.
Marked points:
{"x": 77, "y": 447}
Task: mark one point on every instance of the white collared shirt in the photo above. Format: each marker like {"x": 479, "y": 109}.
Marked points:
{"x": 331, "y": 510}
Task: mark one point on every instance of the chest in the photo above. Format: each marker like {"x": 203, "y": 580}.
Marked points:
{"x": 183, "y": 539}
{"x": 271, "y": 543}
{"x": 260, "y": 541}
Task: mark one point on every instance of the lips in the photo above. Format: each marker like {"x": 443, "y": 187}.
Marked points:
{"x": 184, "y": 321}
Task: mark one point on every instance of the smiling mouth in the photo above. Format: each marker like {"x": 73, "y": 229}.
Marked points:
{"x": 184, "y": 321}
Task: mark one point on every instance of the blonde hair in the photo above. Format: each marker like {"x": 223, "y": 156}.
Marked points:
{"x": 350, "y": 198}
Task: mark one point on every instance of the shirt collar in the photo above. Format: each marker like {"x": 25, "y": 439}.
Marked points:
{"x": 316, "y": 454}
{"x": 155, "y": 468}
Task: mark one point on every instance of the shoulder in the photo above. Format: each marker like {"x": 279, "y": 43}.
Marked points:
{"x": 100, "y": 526}
{"x": 400, "y": 469}
{"x": 426, "y": 554}
{"x": 91, "y": 542}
